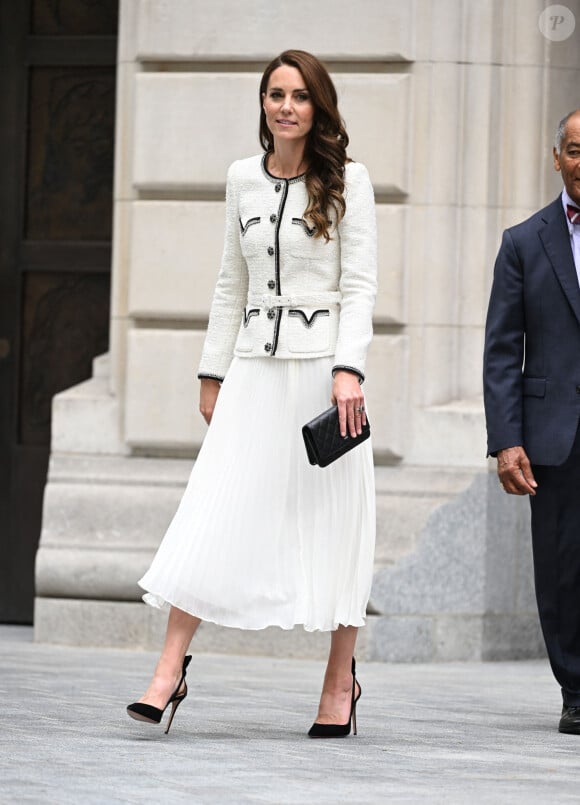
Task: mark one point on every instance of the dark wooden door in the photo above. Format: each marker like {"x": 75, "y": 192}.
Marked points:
{"x": 57, "y": 107}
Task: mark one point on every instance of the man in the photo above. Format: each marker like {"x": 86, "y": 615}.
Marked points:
{"x": 532, "y": 402}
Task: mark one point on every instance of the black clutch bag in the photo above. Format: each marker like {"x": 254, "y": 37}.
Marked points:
{"x": 323, "y": 441}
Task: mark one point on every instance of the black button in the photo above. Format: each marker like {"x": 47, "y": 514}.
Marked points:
{"x": 273, "y": 219}
{"x": 271, "y": 284}
{"x": 278, "y": 188}
{"x": 271, "y": 313}
{"x": 270, "y": 250}
{"x": 577, "y": 389}
{"x": 268, "y": 347}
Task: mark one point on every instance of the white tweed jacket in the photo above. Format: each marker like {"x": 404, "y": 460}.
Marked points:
{"x": 281, "y": 293}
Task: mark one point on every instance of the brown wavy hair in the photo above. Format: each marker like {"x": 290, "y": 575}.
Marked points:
{"x": 326, "y": 143}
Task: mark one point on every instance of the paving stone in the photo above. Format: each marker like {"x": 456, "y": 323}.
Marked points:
{"x": 428, "y": 733}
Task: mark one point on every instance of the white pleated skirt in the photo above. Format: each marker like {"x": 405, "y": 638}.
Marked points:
{"x": 261, "y": 537}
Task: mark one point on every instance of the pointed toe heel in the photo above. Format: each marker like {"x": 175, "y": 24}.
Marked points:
{"x": 153, "y": 715}
{"x": 340, "y": 730}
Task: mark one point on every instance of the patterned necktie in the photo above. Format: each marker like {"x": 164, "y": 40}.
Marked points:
{"x": 573, "y": 214}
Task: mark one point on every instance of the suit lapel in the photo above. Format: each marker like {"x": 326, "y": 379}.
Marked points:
{"x": 555, "y": 238}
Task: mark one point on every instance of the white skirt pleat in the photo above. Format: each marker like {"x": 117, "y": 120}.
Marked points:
{"x": 261, "y": 537}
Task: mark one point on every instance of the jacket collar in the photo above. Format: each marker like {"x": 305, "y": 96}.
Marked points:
{"x": 555, "y": 238}
{"x": 276, "y": 179}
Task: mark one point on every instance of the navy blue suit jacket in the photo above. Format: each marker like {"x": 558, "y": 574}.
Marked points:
{"x": 532, "y": 341}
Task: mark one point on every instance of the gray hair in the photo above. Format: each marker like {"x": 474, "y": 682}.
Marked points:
{"x": 561, "y": 130}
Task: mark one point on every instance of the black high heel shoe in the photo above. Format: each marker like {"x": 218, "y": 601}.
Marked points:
{"x": 340, "y": 730}
{"x": 146, "y": 712}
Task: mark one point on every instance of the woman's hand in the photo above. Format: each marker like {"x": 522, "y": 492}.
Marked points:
{"x": 208, "y": 395}
{"x": 348, "y": 396}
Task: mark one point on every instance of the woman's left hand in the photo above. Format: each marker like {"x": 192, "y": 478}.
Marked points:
{"x": 348, "y": 396}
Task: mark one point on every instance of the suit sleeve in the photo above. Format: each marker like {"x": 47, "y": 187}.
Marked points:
{"x": 230, "y": 294}
{"x": 504, "y": 351}
{"x": 358, "y": 272}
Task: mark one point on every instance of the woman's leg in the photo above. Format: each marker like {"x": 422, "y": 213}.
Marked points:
{"x": 181, "y": 627}
{"x": 335, "y": 700}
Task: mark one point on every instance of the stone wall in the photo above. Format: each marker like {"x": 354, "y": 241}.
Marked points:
{"x": 448, "y": 104}
{"x": 451, "y": 105}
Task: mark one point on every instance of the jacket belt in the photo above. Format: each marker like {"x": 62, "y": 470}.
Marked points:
{"x": 300, "y": 300}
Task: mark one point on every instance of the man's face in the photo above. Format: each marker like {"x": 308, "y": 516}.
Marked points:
{"x": 568, "y": 160}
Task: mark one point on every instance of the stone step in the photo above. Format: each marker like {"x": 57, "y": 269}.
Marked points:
{"x": 105, "y": 515}
{"x": 446, "y": 585}
{"x": 102, "y": 365}
{"x": 86, "y": 418}
{"x": 406, "y": 498}
{"x": 441, "y": 637}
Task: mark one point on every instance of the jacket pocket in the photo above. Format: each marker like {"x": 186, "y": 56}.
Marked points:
{"x": 250, "y": 222}
{"x": 308, "y": 330}
{"x": 247, "y": 332}
{"x": 534, "y": 387}
{"x": 252, "y": 238}
{"x": 249, "y": 314}
{"x": 310, "y": 231}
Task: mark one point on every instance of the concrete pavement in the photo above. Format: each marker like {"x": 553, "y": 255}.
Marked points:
{"x": 447, "y": 733}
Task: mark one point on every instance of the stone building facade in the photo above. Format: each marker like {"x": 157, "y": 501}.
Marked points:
{"x": 452, "y": 106}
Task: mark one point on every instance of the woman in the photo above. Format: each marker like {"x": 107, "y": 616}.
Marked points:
{"x": 262, "y": 538}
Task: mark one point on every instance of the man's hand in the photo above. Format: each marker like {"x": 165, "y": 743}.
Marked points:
{"x": 515, "y": 471}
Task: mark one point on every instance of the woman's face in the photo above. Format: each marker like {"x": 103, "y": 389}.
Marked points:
{"x": 289, "y": 110}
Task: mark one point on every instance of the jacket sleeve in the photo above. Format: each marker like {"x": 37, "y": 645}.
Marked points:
{"x": 504, "y": 351}
{"x": 230, "y": 294}
{"x": 358, "y": 271}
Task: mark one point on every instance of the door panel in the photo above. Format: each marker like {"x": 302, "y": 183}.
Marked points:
{"x": 28, "y": 475}
{"x": 70, "y": 161}
{"x": 57, "y": 81}
{"x": 65, "y": 323}
{"x": 69, "y": 17}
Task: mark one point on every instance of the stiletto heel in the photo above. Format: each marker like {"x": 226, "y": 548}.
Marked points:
{"x": 174, "y": 707}
{"x": 153, "y": 715}
{"x": 340, "y": 730}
